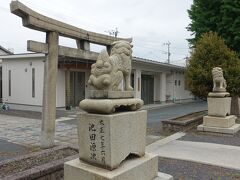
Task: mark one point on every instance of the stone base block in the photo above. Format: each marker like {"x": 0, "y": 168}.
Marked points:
{"x": 104, "y": 94}
{"x": 222, "y": 122}
{"x": 219, "y": 94}
{"x": 109, "y": 106}
{"x": 144, "y": 168}
{"x": 219, "y": 106}
{"x": 106, "y": 140}
{"x": 231, "y": 130}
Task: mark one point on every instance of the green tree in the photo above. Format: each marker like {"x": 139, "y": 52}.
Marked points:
{"x": 221, "y": 16}
{"x": 205, "y": 16}
{"x": 211, "y": 51}
{"x": 229, "y": 27}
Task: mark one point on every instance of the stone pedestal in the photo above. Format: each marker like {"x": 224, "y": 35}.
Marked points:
{"x": 110, "y": 106}
{"x": 222, "y": 122}
{"x": 144, "y": 168}
{"x": 112, "y": 145}
{"x": 106, "y": 140}
{"x": 231, "y": 130}
{"x": 224, "y": 125}
{"x": 219, "y": 107}
{"x": 219, "y": 119}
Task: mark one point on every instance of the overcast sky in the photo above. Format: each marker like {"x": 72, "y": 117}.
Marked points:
{"x": 150, "y": 23}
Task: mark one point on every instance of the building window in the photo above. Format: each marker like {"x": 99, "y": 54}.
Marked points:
{"x": 9, "y": 83}
{"x": 179, "y": 82}
{"x": 33, "y": 82}
{"x": 175, "y": 82}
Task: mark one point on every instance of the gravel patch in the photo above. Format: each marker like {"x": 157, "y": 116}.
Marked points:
{"x": 182, "y": 170}
{"x": 33, "y": 160}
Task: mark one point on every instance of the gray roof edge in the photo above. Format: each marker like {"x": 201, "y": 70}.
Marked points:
{"x": 21, "y": 55}
{"x": 138, "y": 59}
{"x": 6, "y": 50}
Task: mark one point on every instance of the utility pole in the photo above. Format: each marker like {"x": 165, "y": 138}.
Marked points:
{"x": 168, "y": 45}
{"x": 113, "y": 32}
{"x": 186, "y": 61}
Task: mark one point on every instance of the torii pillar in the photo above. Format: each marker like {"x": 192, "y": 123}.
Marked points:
{"x": 49, "y": 91}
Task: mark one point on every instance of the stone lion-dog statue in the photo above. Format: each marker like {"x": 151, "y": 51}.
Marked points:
{"x": 109, "y": 71}
{"x": 219, "y": 83}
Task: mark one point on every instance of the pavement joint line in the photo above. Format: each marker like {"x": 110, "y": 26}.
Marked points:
{"x": 154, "y": 146}
{"x": 64, "y": 119}
{"x": 72, "y": 115}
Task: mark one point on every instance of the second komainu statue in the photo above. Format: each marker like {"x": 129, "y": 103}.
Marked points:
{"x": 219, "y": 83}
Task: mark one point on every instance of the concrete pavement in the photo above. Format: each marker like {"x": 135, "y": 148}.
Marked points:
{"x": 27, "y": 131}
{"x": 175, "y": 110}
{"x": 207, "y": 153}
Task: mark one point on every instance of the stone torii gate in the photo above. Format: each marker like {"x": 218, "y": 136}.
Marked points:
{"x": 51, "y": 48}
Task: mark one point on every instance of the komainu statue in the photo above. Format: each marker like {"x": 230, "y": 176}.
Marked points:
{"x": 219, "y": 83}
{"x": 109, "y": 71}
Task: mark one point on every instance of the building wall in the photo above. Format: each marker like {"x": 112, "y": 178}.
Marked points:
{"x": 170, "y": 88}
{"x": 175, "y": 90}
{"x": 1, "y": 53}
{"x": 21, "y": 81}
{"x": 180, "y": 89}
{"x": 60, "y": 90}
{"x": 164, "y": 82}
{"x": 157, "y": 87}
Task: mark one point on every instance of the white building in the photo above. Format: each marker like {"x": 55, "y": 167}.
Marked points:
{"x": 22, "y": 80}
{"x": 3, "y": 51}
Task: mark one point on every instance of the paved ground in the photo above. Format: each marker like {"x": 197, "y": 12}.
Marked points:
{"x": 157, "y": 115}
{"x": 156, "y": 112}
{"x": 37, "y": 114}
{"x": 26, "y": 131}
